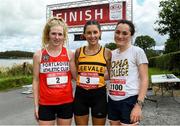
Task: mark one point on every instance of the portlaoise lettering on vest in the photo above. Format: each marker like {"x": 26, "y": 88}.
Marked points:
{"x": 51, "y": 64}
{"x": 54, "y": 67}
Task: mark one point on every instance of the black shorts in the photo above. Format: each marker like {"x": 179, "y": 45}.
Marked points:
{"x": 121, "y": 110}
{"x": 96, "y": 99}
{"x": 51, "y": 112}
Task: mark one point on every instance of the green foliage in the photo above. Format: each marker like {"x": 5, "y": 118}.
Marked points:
{"x": 169, "y": 24}
{"x": 154, "y": 71}
{"x": 172, "y": 46}
{"x": 170, "y": 61}
{"x": 14, "y": 82}
{"x": 15, "y": 76}
{"x": 16, "y": 70}
{"x": 151, "y": 53}
{"x": 111, "y": 46}
{"x": 16, "y": 54}
{"x": 145, "y": 42}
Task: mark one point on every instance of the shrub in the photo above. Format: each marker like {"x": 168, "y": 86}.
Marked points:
{"x": 170, "y": 61}
{"x": 16, "y": 70}
{"x": 14, "y": 82}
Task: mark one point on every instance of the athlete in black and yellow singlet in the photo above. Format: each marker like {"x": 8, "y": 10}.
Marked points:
{"x": 92, "y": 62}
{"x": 91, "y": 69}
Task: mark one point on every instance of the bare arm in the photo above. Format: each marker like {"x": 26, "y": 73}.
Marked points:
{"x": 36, "y": 63}
{"x": 108, "y": 60}
{"x": 76, "y": 56}
{"x": 72, "y": 64}
{"x": 76, "y": 59}
{"x": 143, "y": 73}
{"x": 136, "y": 113}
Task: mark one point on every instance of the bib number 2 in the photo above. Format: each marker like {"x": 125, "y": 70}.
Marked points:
{"x": 58, "y": 80}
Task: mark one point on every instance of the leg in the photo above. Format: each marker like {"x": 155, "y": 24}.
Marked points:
{"x": 64, "y": 122}
{"x": 134, "y": 124}
{"x": 81, "y": 108}
{"x": 98, "y": 121}
{"x": 47, "y": 123}
{"x": 46, "y": 115}
{"x": 114, "y": 112}
{"x": 115, "y": 123}
{"x": 64, "y": 114}
{"x": 119, "y": 111}
{"x": 99, "y": 106}
{"x": 127, "y": 106}
{"x": 118, "y": 123}
{"x": 81, "y": 120}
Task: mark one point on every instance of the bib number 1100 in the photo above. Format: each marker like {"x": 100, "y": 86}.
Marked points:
{"x": 116, "y": 87}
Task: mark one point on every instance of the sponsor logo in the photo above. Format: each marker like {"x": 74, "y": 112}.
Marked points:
{"x": 45, "y": 58}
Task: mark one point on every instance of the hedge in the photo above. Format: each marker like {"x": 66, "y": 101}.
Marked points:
{"x": 170, "y": 61}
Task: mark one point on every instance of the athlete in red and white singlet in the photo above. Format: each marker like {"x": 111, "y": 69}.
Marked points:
{"x": 53, "y": 67}
{"x": 55, "y": 79}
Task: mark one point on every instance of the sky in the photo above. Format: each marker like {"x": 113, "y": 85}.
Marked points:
{"x": 22, "y": 22}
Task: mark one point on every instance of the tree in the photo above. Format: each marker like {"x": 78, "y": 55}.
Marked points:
{"x": 111, "y": 45}
{"x": 145, "y": 42}
{"x": 169, "y": 23}
{"x": 152, "y": 53}
{"x": 171, "y": 46}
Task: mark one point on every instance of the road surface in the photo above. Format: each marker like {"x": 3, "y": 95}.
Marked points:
{"x": 17, "y": 109}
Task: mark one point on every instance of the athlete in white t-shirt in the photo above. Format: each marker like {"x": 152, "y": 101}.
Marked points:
{"x": 128, "y": 78}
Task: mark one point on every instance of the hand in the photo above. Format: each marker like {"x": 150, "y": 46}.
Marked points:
{"x": 136, "y": 113}
{"x": 36, "y": 115}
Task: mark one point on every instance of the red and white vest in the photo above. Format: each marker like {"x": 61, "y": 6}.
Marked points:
{"x": 55, "y": 85}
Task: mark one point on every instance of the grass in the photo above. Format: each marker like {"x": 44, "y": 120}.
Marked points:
{"x": 14, "y": 82}
{"x": 15, "y": 76}
{"x": 155, "y": 71}
{"x": 16, "y": 70}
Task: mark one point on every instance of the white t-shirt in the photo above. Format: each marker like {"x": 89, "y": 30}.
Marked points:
{"x": 124, "y": 75}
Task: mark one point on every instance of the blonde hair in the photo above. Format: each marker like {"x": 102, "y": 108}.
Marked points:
{"x": 54, "y": 21}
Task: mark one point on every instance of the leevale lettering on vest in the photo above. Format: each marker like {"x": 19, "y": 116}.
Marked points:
{"x": 91, "y": 68}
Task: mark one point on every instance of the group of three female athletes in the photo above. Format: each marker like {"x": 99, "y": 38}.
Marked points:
{"x": 54, "y": 66}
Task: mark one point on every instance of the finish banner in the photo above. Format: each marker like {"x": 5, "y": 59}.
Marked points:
{"x": 104, "y": 13}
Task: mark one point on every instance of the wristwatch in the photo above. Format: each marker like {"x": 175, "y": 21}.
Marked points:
{"x": 140, "y": 103}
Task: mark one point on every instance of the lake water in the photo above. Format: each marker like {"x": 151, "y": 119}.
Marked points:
{"x": 11, "y": 62}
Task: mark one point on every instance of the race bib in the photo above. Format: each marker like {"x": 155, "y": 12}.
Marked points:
{"x": 89, "y": 80}
{"x": 117, "y": 87}
{"x": 57, "y": 80}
